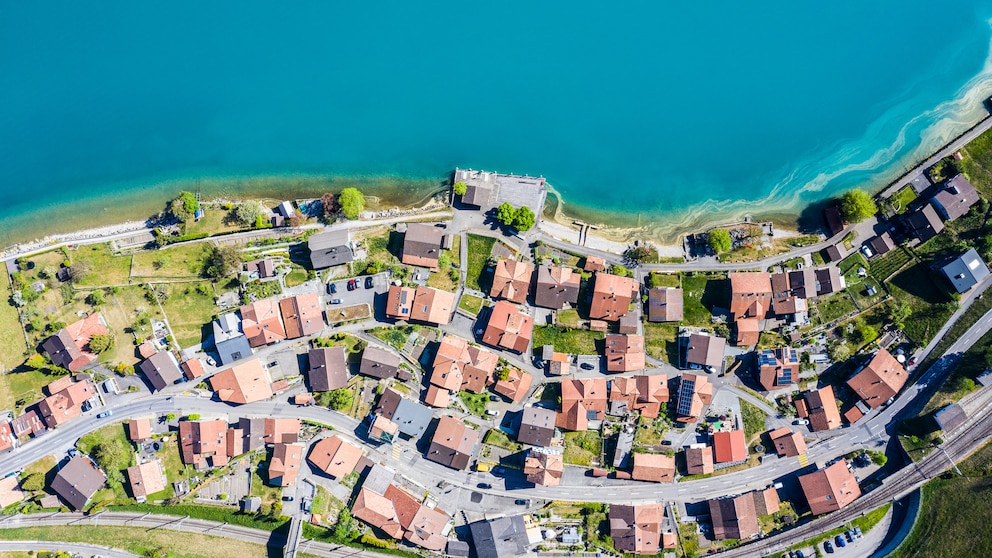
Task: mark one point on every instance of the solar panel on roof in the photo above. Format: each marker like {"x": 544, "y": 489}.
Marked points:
{"x": 685, "y": 397}
{"x": 786, "y": 377}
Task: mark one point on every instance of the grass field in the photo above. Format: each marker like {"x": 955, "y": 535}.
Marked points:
{"x": 11, "y": 335}
{"x": 660, "y": 341}
{"x": 754, "y": 420}
{"x": 471, "y": 304}
{"x": 498, "y": 438}
{"x": 442, "y": 279}
{"x": 475, "y": 402}
{"x": 189, "y": 309}
{"x": 930, "y": 303}
{"x": 977, "y": 163}
{"x": 658, "y": 279}
{"x": 479, "y": 249}
{"x": 833, "y": 307}
{"x": 883, "y": 267}
{"x": 569, "y": 341}
{"x": 703, "y": 292}
{"x": 212, "y": 222}
{"x": 23, "y": 385}
{"x": 296, "y": 276}
{"x": 184, "y": 260}
{"x": 901, "y": 200}
{"x": 103, "y": 267}
{"x": 123, "y": 311}
{"x": 583, "y": 448}
{"x": 142, "y": 541}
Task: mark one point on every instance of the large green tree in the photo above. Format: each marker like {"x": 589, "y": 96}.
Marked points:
{"x": 719, "y": 240}
{"x": 506, "y": 213}
{"x": 856, "y": 205}
{"x": 247, "y": 213}
{"x": 460, "y": 188}
{"x": 524, "y": 219}
{"x": 101, "y": 343}
{"x": 222, "y": 261}
{"x": 352, "y": 202}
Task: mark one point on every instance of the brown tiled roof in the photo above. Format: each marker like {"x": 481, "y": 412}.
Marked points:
{"x": 729, "y": 447}
{"x": 335, "y": 456}
{"x": 202, "y": 440}
{"x": 879, "y": 380}
{"x": 399, "y": 302}
{"x": 285, "y": 464}
{"x": 830, "y": 489}
{"x": 161, "y": 369}
{"x": 458, "y": 365}
{"x": 378, "y": 511}
{"x": 652, "y": 391}
{"x": 766, "y": 501}
{"x": 611, "y": 295}
{"x": 835, "y": 222}
{"x": 302, "y": 315}
{"x": 624, "y": 353}
{"x": 594, "y": 263}
{"x": 699, "y": 461}
{"x": 245, "y": 382}
{"x": 853, "y": 414}
{"x": 280, "y": 430}
{"x": 77, "y": 481}
{"x": 262, "y": 322}
{"x": 557, "y": 287}
{"x": 750, "y": 294}
{"x": 734, "y": 518}
{"x": 702, "y": 393}
{"x": 537, "y": 426}
{"x": 379, "y": 363}
{"x": 437, "y": 397}
{"x": 664, "y": 304}
{"x": 787, "y": 443}
{"x": 544, "y": 468}
{"x": 653, "y": 467}
{"x": 70, "y": 347}
{"x": 422, "y": 245}
{"x": 511, "y": 280}
{"x": 637, "y": 529}
{"x": 821, "y": 408}
{"x": 192, "y": 368}
{"x": 623, "y": 395}
{"x": 139, "y": 430}
{"x": 509, "y": 327}
{"x": 881, "y": 244}
{"x": 802, "y": 283}
{"x": 453, "y": 443}
{"x": 66, "y": 404}
{"x": 779, "y": 368}
{"x": 515, "y": 386}
{"x": 581, "y": 401}
{"x": 30, "y": 422}
{"x": 747, "y": 332}
{"x": 706, "y": 350}
{"x": 925, "y": 223}
{"x": 147, "y": 478}
{"x": 432, "y": 306}
{"x": 328, "y": 369}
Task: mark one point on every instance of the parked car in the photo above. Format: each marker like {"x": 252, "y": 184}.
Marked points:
{"x": 841, "y": 543}
{"x": 335, "y": 301}
{"x": 352, "y": 284}
{"x": 485, "y": 485}
{"x": 287, "y": 498}
{"x": 828, "y": 547}
{"x": 105, "y": 414}
{"x": 800, "y": 422}
{"x": 587, "y": 366}
{"x": 857, "y": 532}
{"x": 368, "y": 282}
{"x": 493, "y": 398}
{"x": 522, "y": 502}
{"x": 492, "y": 413}
{"x": 332, "y": 288}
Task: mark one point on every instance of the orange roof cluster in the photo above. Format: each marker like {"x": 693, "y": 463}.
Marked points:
{"x": 515, "y": 386}
{"x": 245, "y": 382}
{"x": 65, "y": 404}
{"x": 399, "y": 515}
{"x": 457, "y": 366}
{"x": 511, "y": 280}
{"x": 637, "y": 529}
{"x": 624, "y": 353}
{"x": 544, "y": 466}
{"x": 509, "y": 327}
{"x": 611, "y": 296}
{"x": 302, "y": 315}
{"x": 582, "y": 401}
{"x": 70, "y": 346}
{"x": 879, "y": 380}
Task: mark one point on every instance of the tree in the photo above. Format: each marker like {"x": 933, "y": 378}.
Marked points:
{"x": 839, "y": 352}
{"x": 641, "y": 253}
{"x": 460, "y": 188}
{"x": 78, "y": 270}
{"x": 330, "y": 203}
{"x": 899, "y": 313}
{"x": 297, "y": 219}
{"x": 506, "y": 213}
{"x": 184, "y": 207}
{"x": 856, "y": 205}
{"x": 222, "y": 261}
{"x": 352, "y": 202}
{"x": 247, "y": 213}
{"x": 524, "y": 219}
{"x": 33, "y": 482}
{"x": 344, "y": 526}
{"x": 170, "y": 417}
{"x": 18, "y": 299}
{"x": 193, "y": 416}
{"x": 95, "y": 298}
{"x": 110, "y": 455}
{"x": 101, "y": 343}
{"x": 47, "y": 272}
{"x": 863, "y": 332}
{"x": 37, "y": 361}
{"x": 719, "y": 240}
{"x": 340, "y": 399}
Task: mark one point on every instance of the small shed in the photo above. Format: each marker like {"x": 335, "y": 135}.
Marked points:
{"x": 950, "y": 417}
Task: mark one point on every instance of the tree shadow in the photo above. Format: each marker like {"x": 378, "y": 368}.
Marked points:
{"x": 716, "y": 294}
{"x": 918, "y": 281}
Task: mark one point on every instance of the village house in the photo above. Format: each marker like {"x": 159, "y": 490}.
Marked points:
{"x": 653, "y": 467}
{"x": 192, "y": 368}
{"x": 695, "y": 392}
{"x": 582, "y": 402}
{"x": 624, "y": 353}
{"x": 425, "y": 304}
{"x": 70, "y": 346}
{"x": 924, "y": 223}
{"x": 611, "y": 296}
{"x": 509, "y": 327}
{"x": 243, "y": 383}
{"x": 139, "y": 430}
{"x": 557, "y": 287}
{"x": 778, "y": 368}
{"x": 665, "y": 304}
{"x": 787, "y": 443}
{"x": 955, "y": 198}
{"x": 965, "y": 271}
{"x": 203, "y": 443}
{"x": 511, "y": 280}
{"x": 410, "y": 417}
{"x": 261, "y": 269}
{"x": 729, "y": 447}
{"x": 638, "y": 530}
{"x": 881, "y": 244}
{"x": 879, "y": 380}
{"x": 705, "y": 352}
{"x": 7, "y": 438}
{"x": 537, "y": 426}
{"x": 330, "y": 249}
{"x": 422, "y": 245}
{"x": 594, "y": 264}
{"x": 734, "y": 517}
{"x": 335, "y": 457}
{"x": 544, "y": 466}
{"x": 382, "y": 364}
{"x": 328, "y": 369}
{"x": 146, "y": 478}
{"x": 515, "y": 385}
{"x": 65, "y": 401}
{"x": 77, "y": 481}
{"x": 229, "y": 340}
{"x": 398, "y": 514}
{"x": 830, "y": 489}
{"x": 284, "y": 466}
{"x": 261, "y": 322}
{"x": 453, "y": 444}
{"x": 302, "y": 315}
{"x": 699, "y": 460}
{"x": 459, "y": 366}
{"x": 501, "y": 537}
{"x": 750, "y": 294}
{"x": 161, "y": 369}
{"x": 820, "y": 407}
{"x": 10, "y": 491}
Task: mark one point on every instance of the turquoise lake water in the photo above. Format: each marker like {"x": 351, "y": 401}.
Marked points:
{"x": 677, "y": 114}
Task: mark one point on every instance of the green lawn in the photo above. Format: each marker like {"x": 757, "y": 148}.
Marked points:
{"x": 475, "y": 402}
{"x": 471, "y": 304}
{"x": 658, "y": 279}
{"x": 570, "y": 341}
{"x": 661, "y": 341}
{"x": 930, "y": 304}
{"x": 754, "y": 420}
{"x": 108, "y": 433}
{"x": 901, "y": 200}
{"x": 297, "y": 276}
{"x": 184, "y": 260}
{"x": 103, "y": 267}
{"x": 212, "y": 222}
{"x": 26, "y": 385}
{"x": 977, "y": 163}
{"x": 143, "y": 541}
{"x": 702, "y": 292}
{"x": 396, "y": 336}
{"x": 583, "y": 448}
{"x": 189, "y": 309}
{"x": 498, "y": 438}
{"x": 11, "y": 335}
{"x": 833, "y": 307}
{"x": 444, "y": 279}
{"x": 126, "y": 311}
{"x": 650, "y": 432}
{"x": 479, "y": 250}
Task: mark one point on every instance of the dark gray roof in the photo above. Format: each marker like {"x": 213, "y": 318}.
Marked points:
{"x": 422, "y": 240}
{"x": 77, "y": 481}
{"x": 537, "y": 426}
{"x": 956, "y": 198}
{"x": 61, "y": 348}
{"x": 828, "y": 280}
{"x": 232, "y": 349}
{"x": 501, "y": 537}
{"x": 924, "y": 222}
{"x": 965, "y": 271}
{"x": 950, "y": 417}
{"x": 379, "y": 363}
{"x": 328, "y": 249}
{"x": 457, "y": 548}
{"x": 411, "y": 417}
{"x": 477, "y": 195}
{"x": 161, "y": 369}
{"x": 328, "y": 369}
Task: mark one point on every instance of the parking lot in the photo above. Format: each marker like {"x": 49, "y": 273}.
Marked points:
{"x": 360, "y": 295}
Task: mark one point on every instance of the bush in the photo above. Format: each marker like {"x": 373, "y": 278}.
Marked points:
{"x": 248, "y": 213}
{"x": 352, "y": 202}
{"x": 33, "y": 482}
{"x": 101, "y": 343}
{"x": 95, "y": 298}
{"x": 194, "y": 416}
{"x": 719, "y": 240}
{"x": 222, "y": 261}
{"x": 460, "y": 188}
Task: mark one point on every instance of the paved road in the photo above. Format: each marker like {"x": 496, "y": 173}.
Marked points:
{"x": 75, "y": 548}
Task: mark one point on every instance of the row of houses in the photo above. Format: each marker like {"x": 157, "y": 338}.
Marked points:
{"x": 264, "y": 322}
{"x": 760, "y": 300}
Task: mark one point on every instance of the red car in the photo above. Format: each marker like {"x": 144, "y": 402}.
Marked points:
{"x": 352, "y": 284}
